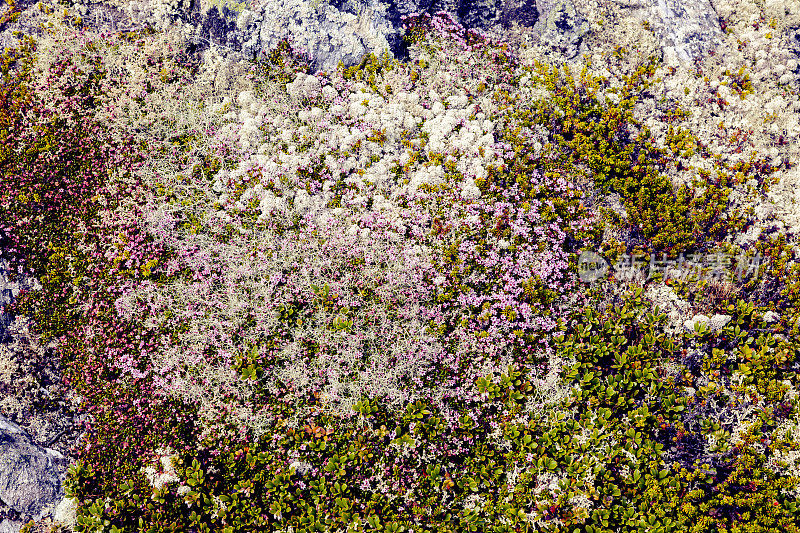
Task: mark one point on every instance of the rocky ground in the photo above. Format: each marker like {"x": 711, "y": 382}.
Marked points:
{"x": 706, "y": 47}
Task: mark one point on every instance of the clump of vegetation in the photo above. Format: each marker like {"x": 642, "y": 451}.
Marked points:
{"x": 336, "y": 344}
{"x": 600, "y": 142}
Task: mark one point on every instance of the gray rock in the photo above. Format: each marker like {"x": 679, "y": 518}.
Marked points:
{"x": 31, "y": 477}
{"x": 562, "y": 29}
{"x": 328, "y": 33}
{"x": 686, "y": 29}
{"x": 333, "y": 31}
{"x": 344, "y": 30}
{"x": 10, "y": 526}
{"x": 523, "y": 12}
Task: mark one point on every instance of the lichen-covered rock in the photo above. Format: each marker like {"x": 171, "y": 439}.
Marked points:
{"x": 680, "y": 31}
{"x": 10, "y": 526}
{"x": 31, "y": 476}
{"x": 687, "y": 29}
{"x": 562, "y": 29}
{"x": 333, "y": 31}
{"x": 328, "y": 32}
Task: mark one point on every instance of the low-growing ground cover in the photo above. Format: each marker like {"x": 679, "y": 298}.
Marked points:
{"x": 351, "y": 302}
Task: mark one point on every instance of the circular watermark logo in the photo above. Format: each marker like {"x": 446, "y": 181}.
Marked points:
{"x": 591, "y": 267}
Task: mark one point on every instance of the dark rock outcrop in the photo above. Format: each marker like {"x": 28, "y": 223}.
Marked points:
{"x": 31, "y": 476}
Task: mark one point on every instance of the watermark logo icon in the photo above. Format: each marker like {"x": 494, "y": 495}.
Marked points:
{"x": 718, "y": 266}
{"x": 591, "y": 266}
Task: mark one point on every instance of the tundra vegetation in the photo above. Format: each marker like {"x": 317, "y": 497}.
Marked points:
{"x": 350, "y": 301}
